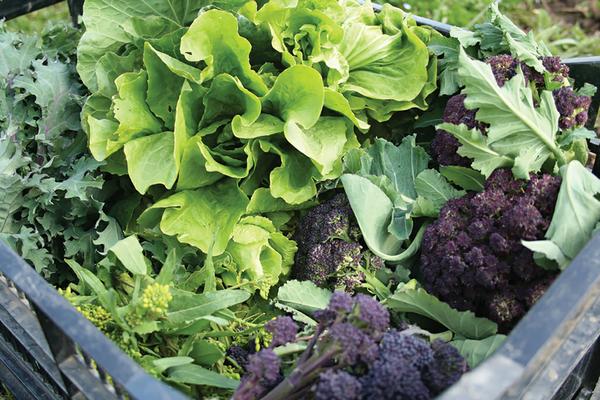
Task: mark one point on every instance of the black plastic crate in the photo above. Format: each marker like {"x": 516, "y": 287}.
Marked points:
{"x": 50, "y": 351}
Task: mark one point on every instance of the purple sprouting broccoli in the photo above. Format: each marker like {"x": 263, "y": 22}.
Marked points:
{"x": 283, "y": 330}
{"x": 353, "y": 354}
{"x": 411, "y": 368}
{"x": 394, "y": 379}
{"x": 330, "y": 252}
{"x": 263, "y": 373}
{"x": 504, "y": 67}
{"x": 444, "y": 146}
{"x": 472, "y": 256}
{"x": 446, "y": 368}
{"x": 337, "y": 385}
{"x": 238, "y": 355}
{"x": 573, "y": 108}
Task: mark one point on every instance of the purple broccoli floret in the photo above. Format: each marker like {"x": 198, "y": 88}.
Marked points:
{"x": 504, "y": 67}
{"x": 263, "y": 373}
{"x": 239, "y": 355}
{"x": 330, "y": 253}
{"x": 472, "y": 256}
{"x": 573, "y": 108}
{"x": 337, "y": 385}
{"x": 411, "y": 349}
{"x": 394, "y": 379}
{"x": 446, "y": 368}
{"x": 555, "y": 66}
{"x": 444, "y": 146}
{"x": 353, "y": 354}
{"x": 371, "y": 313}
{"x": 283, "y": 329}
{"x": 355, "y": 345}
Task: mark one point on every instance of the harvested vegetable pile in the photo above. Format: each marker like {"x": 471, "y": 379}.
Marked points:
{"x": 298, "y": 199}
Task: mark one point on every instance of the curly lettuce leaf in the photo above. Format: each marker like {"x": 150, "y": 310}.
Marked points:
{"x": 213, "y": 38}
{"x": 195, "y": 217}
{"x": 260, "y": 253}
{"x": 112, "y": 24}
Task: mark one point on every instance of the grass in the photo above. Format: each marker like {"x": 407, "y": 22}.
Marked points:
{"x": 37, "y": 20}
{"x": 548, "y": 22}
{"x": 560, "y": 34}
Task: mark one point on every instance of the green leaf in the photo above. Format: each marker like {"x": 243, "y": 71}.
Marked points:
{"x": 324, "y": 142}
{"x": 518, "y": 128}
{"x": 297, "y": 96}
{"x": 151, "y": 161}
{"x": 164, "y": 86}
{"x": 187, "y": 307}
{"x": 132, "y": 112}
{"x": 521, "y": 45}
{"x": 54, "y": 92}
{"x": 109, "y": 67}
{"x": 475, "y": 145}
{"x": 577, "y": 209}
{"x": 382, "y": 66}
{"x": 109, "y": 25}
{"x": 432, "y": 186}
{"x": 466, "y": 178}
{"x": 303, "y": 296}
{"x": 336, "y": 101}
{"x": 192, "y": 374}
{"x": 213, "y": 38}
{"x": 260, "y": 253}
{"x": 188, "y": 113}
{"x": 265, "y": 125}
{"x": 130, "y": 253}
{"x": 293, "y": 181}
{"x": 373, "y": 210}
{"x": 88, "y": 278}
{"x": 109, "y": 235}
{"x": 162, "y": 364}
{"x": 165, "y": 276}
{"x": 401, "y": 164}
{"x": 196, "y": 216}
{"x": 477, "y": 351}
{"x": 409, "y": 298}
{"x": 206, "y": 353}
{"x": 547, "y": 254}
{"x": 228, "y": 98}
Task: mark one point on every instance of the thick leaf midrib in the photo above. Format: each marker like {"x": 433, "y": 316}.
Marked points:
{"x": 531, "y": 125}
{"x": 571, "y": 200}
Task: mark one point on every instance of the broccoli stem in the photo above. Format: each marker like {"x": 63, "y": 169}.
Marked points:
{"x": 302, "y": 376}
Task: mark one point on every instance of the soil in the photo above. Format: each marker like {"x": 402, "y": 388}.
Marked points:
{"x": 585, "y": 13}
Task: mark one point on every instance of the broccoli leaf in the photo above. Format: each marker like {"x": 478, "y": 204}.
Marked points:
{"x": 466, "y": 178}
{"x": 197, "y": 375}
{"x": 374, "y": 212}
{"x": 475, "y": 145}
{"x": 303, "y": 296}
{"x": 518, "y": 129}
{"x": 433, "y": 187}
{"x": 412, "y": 299}
{"x": 476, "y": 351}
{"x": 401, "y": 164}
{"x": 575, "y": 217}
{"x": 188, "y": 307}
